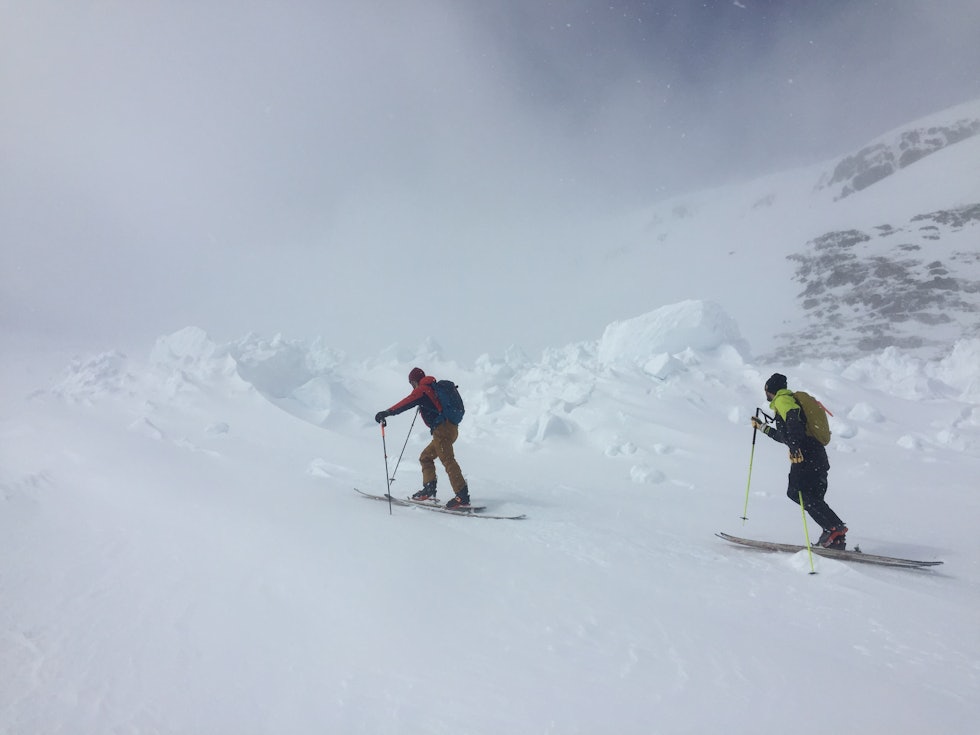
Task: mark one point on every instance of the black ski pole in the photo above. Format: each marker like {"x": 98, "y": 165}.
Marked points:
{"x": 404, "y": 445}
{"x": 384, "y": 446}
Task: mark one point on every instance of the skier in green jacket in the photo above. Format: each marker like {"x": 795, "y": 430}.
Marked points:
{"x": 808, "y": 461}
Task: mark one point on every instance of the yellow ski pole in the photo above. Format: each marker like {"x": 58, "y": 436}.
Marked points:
{"x": 806, "y": 534}
{"x": 745, "y": 510}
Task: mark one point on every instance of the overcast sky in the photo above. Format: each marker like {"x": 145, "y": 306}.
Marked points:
{"x": 385, "y": 171}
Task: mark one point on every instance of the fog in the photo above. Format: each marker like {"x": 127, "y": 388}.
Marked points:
{"x": 382, "y": 172}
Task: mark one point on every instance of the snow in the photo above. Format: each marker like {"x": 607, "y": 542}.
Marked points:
{"x": 183, "y": 551}
{"x": 673, "y": 328}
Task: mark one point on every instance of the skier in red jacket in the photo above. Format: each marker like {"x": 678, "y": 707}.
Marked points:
{"x": 444, "y": 433}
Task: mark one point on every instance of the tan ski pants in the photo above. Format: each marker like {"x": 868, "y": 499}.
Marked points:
{"x": 441, "y": 447}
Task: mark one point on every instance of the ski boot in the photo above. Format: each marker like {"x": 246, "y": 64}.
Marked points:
{"x": 833, "y": 538}
{"x": 461, "y": 501}
{"x": 428, "y": 492}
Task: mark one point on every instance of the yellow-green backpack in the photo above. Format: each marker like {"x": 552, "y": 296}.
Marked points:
{"x": 817, "y": 423}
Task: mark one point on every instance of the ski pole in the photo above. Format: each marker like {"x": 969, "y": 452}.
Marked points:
{"x": 384, "y": 446}
{"x": 745, "y": 510}
{"x": 806, "y": 534}
{"x": 403, "y": 446}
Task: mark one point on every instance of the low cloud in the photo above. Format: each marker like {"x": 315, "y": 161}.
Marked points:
{"x": 384, "y": 171}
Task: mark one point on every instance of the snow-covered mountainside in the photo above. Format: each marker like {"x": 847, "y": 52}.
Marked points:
{"x": 913, "y": 286}
{"x": 878, "y": 248}
{"x": 912, "y": 282}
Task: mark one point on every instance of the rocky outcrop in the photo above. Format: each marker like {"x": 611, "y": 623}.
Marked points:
{"x": 881, "y": 159}
{"x": 895, "y": 286}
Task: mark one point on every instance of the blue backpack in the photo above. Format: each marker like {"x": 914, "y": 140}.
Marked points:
{"x": 451, "y": 401}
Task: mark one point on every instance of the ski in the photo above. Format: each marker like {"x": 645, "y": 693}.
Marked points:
{"x": 470, "y": 512}
{"x": 845, "y": 555}
{"x": 437, "y": 504}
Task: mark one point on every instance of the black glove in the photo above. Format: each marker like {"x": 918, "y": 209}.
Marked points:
{"x": 381, "y": 416}
{"x": 796, "y": 457}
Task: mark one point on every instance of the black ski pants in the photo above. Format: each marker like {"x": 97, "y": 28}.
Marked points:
{"x": 809, "y": 480}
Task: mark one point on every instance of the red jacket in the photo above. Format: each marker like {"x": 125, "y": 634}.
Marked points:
{"x": 426, "y": 399}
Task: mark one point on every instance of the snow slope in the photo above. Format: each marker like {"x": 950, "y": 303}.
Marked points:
{"x": 183, "y": 552}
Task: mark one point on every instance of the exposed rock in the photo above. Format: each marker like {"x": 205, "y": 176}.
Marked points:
{"x": 880, "y": 160}
{"x": 864, "y": 292}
